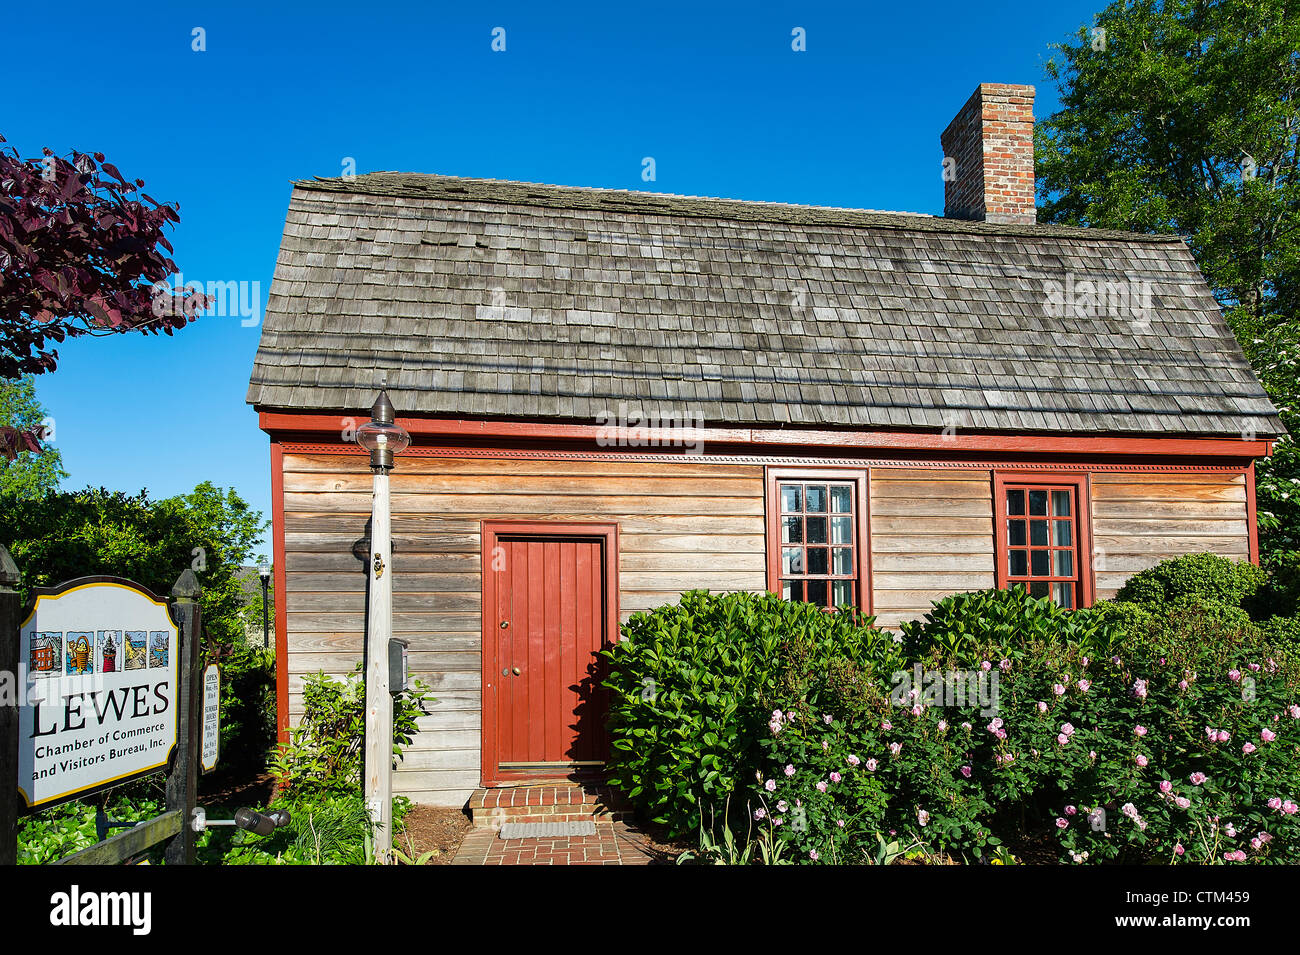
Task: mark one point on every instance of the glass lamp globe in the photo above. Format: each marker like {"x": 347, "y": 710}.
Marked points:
{"x": 377, "y": 436}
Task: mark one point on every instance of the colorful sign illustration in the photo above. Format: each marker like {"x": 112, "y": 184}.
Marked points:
{"x": 159, "y": 645}
{"x": 104, "y": 709}
{"x": 108, "y": 647}
{"x": 135, "y": 649}
{"x": 45, "y": 654}
{"x": 81, "y": 652}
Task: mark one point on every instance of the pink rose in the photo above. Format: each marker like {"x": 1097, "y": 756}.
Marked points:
{"x": 836, "y": 777}
{"x": 1197, "y": 778}
{"x": 789, "y": 770}
{"x": 1267, "y": 735}
{"x": 1166, "y": 786}
{"x": 1141, "y": 760}
{"x": 1061, "y": 823}
{"x": 1248, "y": 748}
{"x": 871, "y": 765}
{"x": 1140, "y": 730}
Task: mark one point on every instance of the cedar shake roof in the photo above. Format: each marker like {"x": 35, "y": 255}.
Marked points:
{"x": 512, "y": 300}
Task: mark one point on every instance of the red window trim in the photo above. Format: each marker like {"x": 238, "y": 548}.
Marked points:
{"x": 1082, "y": 485}
{"x": 861, "y": 479}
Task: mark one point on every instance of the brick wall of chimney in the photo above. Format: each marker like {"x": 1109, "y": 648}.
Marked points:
{"x": 989, "y": 153}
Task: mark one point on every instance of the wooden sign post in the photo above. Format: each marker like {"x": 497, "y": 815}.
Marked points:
{"x": 10, "y": 694}
{"x": 183, "y": 782}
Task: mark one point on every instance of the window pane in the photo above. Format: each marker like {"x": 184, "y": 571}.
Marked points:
{"x": 1038, "y": 533}
{"x": 792, "y": 589}
{"x": 1038, "y": 563}
{"x": 817, "y": 592}
{"x": 1015, "y": 502}
{"x": 816, "y": 560}
{"x": 816, "y": 530}
{"x": 842, "y": 499}
{"x": 791, "y": 530}
{"x": 1063, "y": 594}
{"x": 1064, "y": 531}
{"x": 841, "y": 530}
{"x": 1038, "y": 588}
{"x": 1061, "y": 503}
{"x": 791, "y": 497}
{"x": 1019, "y": 563}
{"x": 791, "y": 560}
{"x": 1037, "y": 502}
{"x": 1016, "y": 533}
{"x": 816, "y": 497}
{"x": 842, "y": 560}
{"x": 842, "y": 591}
{"x": 1064, "y": 560}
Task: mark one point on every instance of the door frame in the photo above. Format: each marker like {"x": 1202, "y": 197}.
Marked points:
{"x": 490, "y": 532}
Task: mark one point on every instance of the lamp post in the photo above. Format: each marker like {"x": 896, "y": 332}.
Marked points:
{"x": 264, "y": 571}
{"x": 383, "y": 438}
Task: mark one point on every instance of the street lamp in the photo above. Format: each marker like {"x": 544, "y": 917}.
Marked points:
{"x": 383, "y": 438}
{"x": 264, "y": 570}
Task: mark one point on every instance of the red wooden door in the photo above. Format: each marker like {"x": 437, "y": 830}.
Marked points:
{"x": 546, "y": 617}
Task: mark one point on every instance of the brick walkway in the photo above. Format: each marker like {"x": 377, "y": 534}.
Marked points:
{"x": 615, "y": 843}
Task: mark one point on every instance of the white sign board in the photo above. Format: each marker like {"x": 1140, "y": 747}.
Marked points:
{"x": 211, "y": 718}
{"x": 99, "y": 664}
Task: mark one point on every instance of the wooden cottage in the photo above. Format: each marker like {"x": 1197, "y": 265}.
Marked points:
{"x": 617, "y": 396}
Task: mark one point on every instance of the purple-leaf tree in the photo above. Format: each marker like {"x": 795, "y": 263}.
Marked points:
{"x": 82, "y": 252}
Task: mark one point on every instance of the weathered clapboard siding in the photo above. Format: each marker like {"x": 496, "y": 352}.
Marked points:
{"x": 1139, "y": 520}
{"x": 681, "y": 526}
{"x": 931, "y": 535}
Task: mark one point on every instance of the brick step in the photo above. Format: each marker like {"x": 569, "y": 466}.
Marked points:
{"x": 489, "y": 808}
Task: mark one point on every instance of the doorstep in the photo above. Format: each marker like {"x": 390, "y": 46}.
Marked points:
{"x": 548, "y": 802}
{"x": 615, "y": 843}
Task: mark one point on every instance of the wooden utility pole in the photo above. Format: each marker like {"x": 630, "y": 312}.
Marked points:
{"x": 183, "y": 781}
{"x": 379, "y": 703}
{"x": 9, "y": 702}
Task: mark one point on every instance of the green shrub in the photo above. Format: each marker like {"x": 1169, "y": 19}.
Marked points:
{"x": 51, "y": 834}
{"x": 325, "y": 751}
{"x": 1111, "y": 755}
{"x": 967, "y": 626}
{"x": 248, "y": 706}
{"x": 1280, "y": 596}
{"x": 1282, "y": 632}
{"x": 693, "y": 684}
{"x": 325, "y": 828}
{"x": 1207, "y": 576}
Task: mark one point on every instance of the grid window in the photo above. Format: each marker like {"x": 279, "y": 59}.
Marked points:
{"x": 1042, "y": 541}
{"x": 819, "y": 547}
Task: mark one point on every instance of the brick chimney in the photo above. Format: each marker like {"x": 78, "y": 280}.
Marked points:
{"x": 988, "y": 151}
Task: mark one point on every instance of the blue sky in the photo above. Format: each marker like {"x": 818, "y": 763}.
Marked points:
{"x": 581, "y": 94}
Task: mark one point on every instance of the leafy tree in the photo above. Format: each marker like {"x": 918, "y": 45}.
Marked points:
{"x": 1184, "y": 116}
{"x": 78, "y": 533}
{"x": 25, "y": 471}
{"x": 75, "y": 245}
